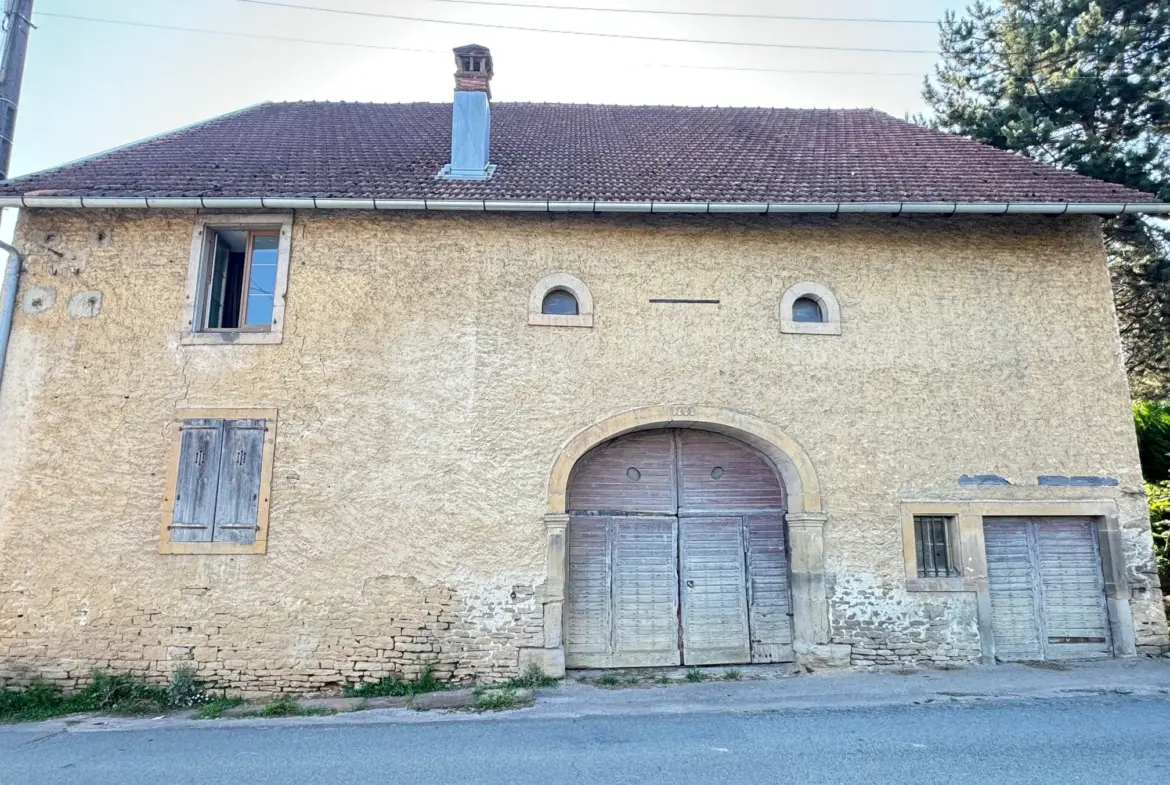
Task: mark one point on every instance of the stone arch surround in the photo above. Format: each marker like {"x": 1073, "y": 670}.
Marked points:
{"x": 805, "y": 520}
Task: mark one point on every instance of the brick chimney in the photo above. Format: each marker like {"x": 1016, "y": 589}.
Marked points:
{"x": 471, "y": 117}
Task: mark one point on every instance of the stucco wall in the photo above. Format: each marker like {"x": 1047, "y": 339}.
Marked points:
{"x": 420, "y": 416}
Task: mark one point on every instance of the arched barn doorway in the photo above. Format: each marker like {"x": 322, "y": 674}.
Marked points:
{"x": 676, "y": 554}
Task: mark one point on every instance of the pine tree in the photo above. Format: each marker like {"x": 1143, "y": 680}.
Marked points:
{"x": 1083, "y": 85}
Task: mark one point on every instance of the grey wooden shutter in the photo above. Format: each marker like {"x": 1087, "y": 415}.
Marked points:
{"x": 200, "y": 449}
{"x": 1012, "y": 584}
{"x": 588, "y": 641}
{"x": 645, "y": 591}
{"x": 768, "y": 593}
{"x": 714, "y": 591}
{"x": 1076, "y": 619}
{"x": 237, "y": 506}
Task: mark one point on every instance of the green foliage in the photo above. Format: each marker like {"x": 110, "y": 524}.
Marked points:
{"x": 393, "y": 687}
{"x": 696, "y": 675}
{"x": 1083, "y": 85}
{"x": 1152, "y": 421}
{"x": 1158, "y": 497}
{"x": 732, "y": 674}
{"x": 498, "y": 699}
{"x": 287, "y": 706}
{"x": 532, "y": 678}
{"x": 214, "y": 709}
{"x": 614, "y": 680}
{"x": 109, "y": 693}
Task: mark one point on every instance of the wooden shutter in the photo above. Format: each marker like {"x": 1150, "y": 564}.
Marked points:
{"x": 237, "y": 505}
{"x": 1012, "y": 584}
{"x": 645, "y": 591}
{"x": 588, "y": 633}
{"x": 714, "y": 591}
{"x": 769, "y": 602}
{"x": 197, "y": 481}
{"x": 1076, "y": 618}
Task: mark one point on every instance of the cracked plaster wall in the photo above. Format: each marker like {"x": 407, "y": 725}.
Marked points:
{"x": 420, "y": 416}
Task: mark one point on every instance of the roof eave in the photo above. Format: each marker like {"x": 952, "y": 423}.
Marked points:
{"x": 540, "y": 205}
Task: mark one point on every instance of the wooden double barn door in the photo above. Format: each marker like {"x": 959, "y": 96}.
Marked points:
{"x": 677, "y": 554}
{"x": 1047, "y": 588}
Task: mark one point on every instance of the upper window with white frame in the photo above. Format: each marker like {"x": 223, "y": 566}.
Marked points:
{"x": 237, "y": 279}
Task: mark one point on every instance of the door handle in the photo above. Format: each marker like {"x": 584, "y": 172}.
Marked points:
{"x": 690, "y": 584}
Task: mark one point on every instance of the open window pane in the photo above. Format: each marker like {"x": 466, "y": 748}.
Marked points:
{"x": 262, "y": 280}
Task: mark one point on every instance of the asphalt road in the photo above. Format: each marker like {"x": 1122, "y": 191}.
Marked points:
{"x": 1096, "y": 741}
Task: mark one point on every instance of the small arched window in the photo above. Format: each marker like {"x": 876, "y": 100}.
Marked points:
{"x": 810, "y": 307}
{"x": 560, "y": 302}
{"x": 806, "y": 309}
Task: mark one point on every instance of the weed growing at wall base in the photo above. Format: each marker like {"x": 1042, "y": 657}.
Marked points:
{"x": 113, "y": 694}
{"x": 393, "y": 687}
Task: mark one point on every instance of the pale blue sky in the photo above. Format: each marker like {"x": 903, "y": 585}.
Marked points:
{"x": 90, "y": 86}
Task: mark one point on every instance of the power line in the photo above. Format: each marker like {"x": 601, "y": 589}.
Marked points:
{"x": 716, "y": 14}
{"x": 368, "y": 14}
{"x": 233, "y": 34}
{"x": 258, "y": 36}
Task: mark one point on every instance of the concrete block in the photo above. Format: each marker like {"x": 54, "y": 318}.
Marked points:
{"x": 452, "y": 699}
{"x": 550, "y": 661}
{"x": 823, "y": 656}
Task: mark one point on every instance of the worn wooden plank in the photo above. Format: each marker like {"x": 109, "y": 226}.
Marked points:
{"x": 239, "y": 482}
{"x": 769, "y": 600}
{"x": 634, "y": 473}
{"x": 645, "y": 591}
{"x": 1011, "y": 581}
{"x": 588, "y": 624}
{"x": 198, "y": 480}
{"x": 1075, "y": 615}
{"x": 720, "y": 474}
{"x": 714, "y": 591}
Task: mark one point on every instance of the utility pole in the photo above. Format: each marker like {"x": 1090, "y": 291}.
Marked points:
{"x": 17, "y": 16}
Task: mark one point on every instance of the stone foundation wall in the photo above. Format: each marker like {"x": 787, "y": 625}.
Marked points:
{"x": 289, "y": 646}
{"x": 885, "y": 625}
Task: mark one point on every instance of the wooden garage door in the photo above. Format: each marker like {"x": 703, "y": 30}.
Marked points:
{"x": 677, "y": 553}
{"x": 1047, "y": 589}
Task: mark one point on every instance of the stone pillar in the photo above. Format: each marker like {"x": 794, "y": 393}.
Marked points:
{"x": 551, "y": 658}
{"x": 810, "y": 603}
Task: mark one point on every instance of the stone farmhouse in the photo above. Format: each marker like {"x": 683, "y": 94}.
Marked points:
{"x": 314, "y": 393}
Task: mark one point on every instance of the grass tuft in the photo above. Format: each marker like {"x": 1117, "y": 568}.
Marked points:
{"x": 105, "y": 692}
{"x": 394, "y": 687}
{"x": 732, "y": 674}
{"x": 214, "y": 709}
{"x": 696, "y": 675}
{"x": 533, "y": 678}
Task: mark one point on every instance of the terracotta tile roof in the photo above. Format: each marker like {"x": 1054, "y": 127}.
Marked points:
{"x": 571, "y": 152}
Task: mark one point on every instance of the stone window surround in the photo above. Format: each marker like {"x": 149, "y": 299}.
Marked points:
{"x": 571, "y": 284}
{"x": 196, "y": 273}
{"x": 260, "y": 545}
{"x": 805, "y": 521}
{"x": 830, "y": 310}
{"x": 971, "y": 554}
